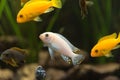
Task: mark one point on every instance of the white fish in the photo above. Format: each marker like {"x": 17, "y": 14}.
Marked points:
{"x": 58, "y": 43}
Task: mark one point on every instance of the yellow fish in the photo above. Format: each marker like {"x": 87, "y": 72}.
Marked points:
{"x": 105, "y": 45}
{"x": 14, "y": 56}
{"x": 33, "y": 8}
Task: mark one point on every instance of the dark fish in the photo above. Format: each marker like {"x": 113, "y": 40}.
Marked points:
{"x": 14, "y": 56}
{"x": 40, "y": 73}
{"x": 83, "y": 5}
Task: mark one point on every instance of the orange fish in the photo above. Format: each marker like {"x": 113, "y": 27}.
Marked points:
{"x": 34, "y": 8}
{"x": 105, "y": 45}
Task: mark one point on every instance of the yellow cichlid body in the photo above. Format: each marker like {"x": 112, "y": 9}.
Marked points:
{"x": 33, "y": 8}
{"x": 105, "y": 45}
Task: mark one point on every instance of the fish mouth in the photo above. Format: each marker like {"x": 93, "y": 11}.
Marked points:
{"x": 40, "y": 36}
{"x": 19, "y": 21}
{"x": 92, "y": 55}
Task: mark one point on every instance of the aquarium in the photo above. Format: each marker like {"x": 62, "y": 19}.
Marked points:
{"x": 59, "y": 40}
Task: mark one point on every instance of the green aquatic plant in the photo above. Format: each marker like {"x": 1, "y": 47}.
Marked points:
{"x": 103, "y": 15}
{"x": 96, "y": 24}
{"x": 2, "y": 5}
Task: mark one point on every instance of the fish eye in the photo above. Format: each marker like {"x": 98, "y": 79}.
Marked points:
{"x": 21, "y": 16}
{"x": 46, "y": 35}
{"x": 7, "y": 55}
{"x": 96, "y": 51}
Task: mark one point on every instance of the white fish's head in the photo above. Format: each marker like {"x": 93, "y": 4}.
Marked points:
{"x": 46, "y": 37}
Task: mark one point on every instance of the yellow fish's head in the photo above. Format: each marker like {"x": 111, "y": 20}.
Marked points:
{"x": 22, "y": 17}
{"x": 96, "y": 52}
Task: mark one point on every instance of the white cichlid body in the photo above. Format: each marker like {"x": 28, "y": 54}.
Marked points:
{"x": 56, "y": 43}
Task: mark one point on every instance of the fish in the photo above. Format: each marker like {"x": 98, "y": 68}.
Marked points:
{"x": 105, "y": 45}
{"x": 14, "y": 56}
{"x": 83, "y": 5}
{"x": 34, "y": 8}
{"x": 58, "y": 43}
{"x": 40, "y": 73}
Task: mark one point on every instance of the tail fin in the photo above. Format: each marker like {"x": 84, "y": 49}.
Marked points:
{"x": 119, "y": 36}
{"x": 57, "y": 3}
{"x": 77, "y": 59}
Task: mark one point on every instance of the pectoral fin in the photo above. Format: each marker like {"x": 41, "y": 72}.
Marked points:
{"x": 13, "y": 62}
{"x": 51, "y": 52}
{"x": 109, "y": 55}
{"x": 38, "y": 19}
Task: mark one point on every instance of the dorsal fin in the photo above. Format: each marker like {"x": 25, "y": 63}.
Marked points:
{"x": 31, "y": 1}
{"x": 23, "y": 51}
{"x": 112, "y": 36}
{"x": 68, "y": 42}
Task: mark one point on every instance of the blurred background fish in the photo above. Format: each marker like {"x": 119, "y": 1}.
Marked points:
{"x": 40, "y": 73}
{"x": 14, "y": 56}
{"x": 83, "y": 5}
